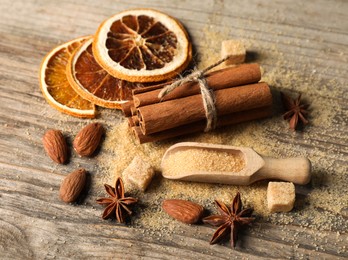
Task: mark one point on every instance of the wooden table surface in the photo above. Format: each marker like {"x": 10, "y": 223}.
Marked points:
{"x": 35, "y": 224}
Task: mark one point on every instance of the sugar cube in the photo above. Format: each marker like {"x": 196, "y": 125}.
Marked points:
{"x": 138, "y": 173}
{"x": 280, "y": 196}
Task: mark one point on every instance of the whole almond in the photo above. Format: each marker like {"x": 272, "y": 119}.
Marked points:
{"x": 72, "y": 185}
{"x": 183, "y": 210}
{"x": 88, "y": 139}
{"x": 55, "y": 146}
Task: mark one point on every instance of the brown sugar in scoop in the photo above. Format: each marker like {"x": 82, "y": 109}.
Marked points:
{"x": 214, "y": 163}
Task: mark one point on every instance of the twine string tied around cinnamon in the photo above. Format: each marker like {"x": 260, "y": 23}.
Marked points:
{"x": 207, "y": 93}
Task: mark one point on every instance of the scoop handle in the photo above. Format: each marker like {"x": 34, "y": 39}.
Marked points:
{"x": 296, "y": 170}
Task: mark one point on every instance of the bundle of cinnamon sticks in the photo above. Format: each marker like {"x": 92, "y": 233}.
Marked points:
{"x": 239, "y": 97}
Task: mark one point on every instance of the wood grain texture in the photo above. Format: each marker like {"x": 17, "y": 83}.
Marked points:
{"x": 35, "y": 224}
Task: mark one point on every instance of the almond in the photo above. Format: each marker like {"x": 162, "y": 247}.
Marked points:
{"x": 55, "y": 146}
{"x": 88, "y": 139}
{"x": 183, "y": 210}
{"x": 72, "y": 185}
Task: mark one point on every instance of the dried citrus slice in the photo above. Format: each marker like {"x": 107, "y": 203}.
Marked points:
{"x": 55, "y": 86}
{"x": 142, "y": 45}
{"x": 93, "y": 83}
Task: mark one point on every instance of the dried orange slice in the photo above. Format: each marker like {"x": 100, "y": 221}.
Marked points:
{"x": 142, "y": 45}
{"x": 93, "y": 83}
{"x": 55, "y": 86}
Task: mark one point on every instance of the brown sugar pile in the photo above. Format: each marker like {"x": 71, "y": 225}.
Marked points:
{"x": 319, "y": 205}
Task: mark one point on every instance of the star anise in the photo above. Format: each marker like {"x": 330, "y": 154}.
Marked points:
{"x": 295, "y": 110}
{"x": 229, "y": 220}
{"x": 117, "y": 204}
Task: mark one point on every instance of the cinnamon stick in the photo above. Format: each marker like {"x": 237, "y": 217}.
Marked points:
{"x": 173, "y": 113}
{"x": 126, "y": 108}
{"x": 130, "y": 122}
{"x": 229, "y": 119}
{"x": 220, "y": 79}
{"x": 133, "y": 110}
{"x": 150, "y": 88}
{"x": 133, "y": 121}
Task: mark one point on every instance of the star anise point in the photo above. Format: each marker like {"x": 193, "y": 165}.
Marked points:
{"x": 295, "y": 110}
{"x": 117, "y": 203}
{"x": 229, "y": 220}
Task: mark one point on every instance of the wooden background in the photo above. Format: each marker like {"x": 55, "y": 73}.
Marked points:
{"x": 34, "y": 224}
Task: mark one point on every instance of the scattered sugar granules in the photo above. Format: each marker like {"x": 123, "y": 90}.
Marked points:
{"x": 317, "y": 205}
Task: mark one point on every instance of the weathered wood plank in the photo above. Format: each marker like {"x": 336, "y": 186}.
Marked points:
{"x": 309, "y": 38}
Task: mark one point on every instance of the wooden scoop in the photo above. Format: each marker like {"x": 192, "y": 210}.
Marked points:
{"x": 296, "y": 170}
